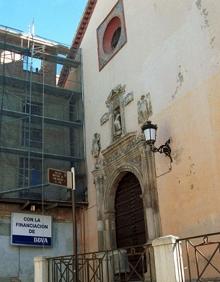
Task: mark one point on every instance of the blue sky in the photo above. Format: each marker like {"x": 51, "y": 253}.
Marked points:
{"x": 53, "y": 19}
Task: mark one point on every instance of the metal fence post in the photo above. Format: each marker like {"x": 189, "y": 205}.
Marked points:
{"x": 75, "y": 261}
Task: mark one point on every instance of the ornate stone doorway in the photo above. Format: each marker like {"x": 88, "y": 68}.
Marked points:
{"x": 129, "y": 213}
{"x": 126, "y": 160}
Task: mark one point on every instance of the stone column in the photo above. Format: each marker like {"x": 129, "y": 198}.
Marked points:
{"x": 168, "y": 259}
{"x": 40, "y": 269}
{"x": 150, "y": 197}
{"x": 99, "y": 183}
{"x": 110, "y": 236}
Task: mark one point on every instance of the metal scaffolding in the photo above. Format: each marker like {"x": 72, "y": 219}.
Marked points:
{"x": 41, "y": 123}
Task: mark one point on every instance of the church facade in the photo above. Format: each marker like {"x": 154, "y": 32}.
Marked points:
{"x": 155, "y": 61}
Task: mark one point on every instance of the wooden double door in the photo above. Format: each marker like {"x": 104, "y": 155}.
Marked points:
{"x": 129, "y": 213}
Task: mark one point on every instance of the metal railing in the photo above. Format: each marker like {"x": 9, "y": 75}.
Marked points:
{"x": 127, "y": 264}
{"x": 201, "y": 257}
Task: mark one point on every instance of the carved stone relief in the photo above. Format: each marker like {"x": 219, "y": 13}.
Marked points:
{"x": 96, "y": 145}
{"x": 127, "y": 154}
{"x": 144, "y": 108}
{"x": 96, "y": 149}
{"x": 116, "y": 111}
{"x": 116, "y": 102}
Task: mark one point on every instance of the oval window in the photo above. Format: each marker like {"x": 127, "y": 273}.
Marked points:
{"x": 112, "y": 35}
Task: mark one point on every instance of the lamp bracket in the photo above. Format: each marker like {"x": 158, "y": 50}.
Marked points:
{"x": 163, "y": 149}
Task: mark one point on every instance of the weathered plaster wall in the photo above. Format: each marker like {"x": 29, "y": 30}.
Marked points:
{"x": 188, "y": 195}
{"x": 172, "y": 51}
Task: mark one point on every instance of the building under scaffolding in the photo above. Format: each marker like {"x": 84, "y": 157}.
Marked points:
{"x": 41, "y": 123}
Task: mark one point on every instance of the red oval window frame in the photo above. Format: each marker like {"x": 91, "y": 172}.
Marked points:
{"x": 112, "y": 26}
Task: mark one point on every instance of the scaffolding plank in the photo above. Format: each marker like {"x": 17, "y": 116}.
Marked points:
{"x": 41, "y": 55}
{"x": 16, "y": 114}
{"x": 38, "y": 87}
{"x": 24, "y": 152}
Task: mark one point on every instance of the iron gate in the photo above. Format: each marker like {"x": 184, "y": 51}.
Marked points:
{"x": 127, "y": 264}
{"x": 201, "y": 258}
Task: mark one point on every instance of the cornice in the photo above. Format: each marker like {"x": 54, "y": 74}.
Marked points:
{"x": 81, "y": 30}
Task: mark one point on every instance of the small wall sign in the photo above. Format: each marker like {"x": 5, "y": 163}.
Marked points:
{"x": 31, "y": 230}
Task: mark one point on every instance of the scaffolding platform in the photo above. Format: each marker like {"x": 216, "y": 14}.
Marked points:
{"x": 41, "y": 123}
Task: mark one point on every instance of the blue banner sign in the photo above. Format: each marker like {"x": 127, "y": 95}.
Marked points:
{"x": 31, "y": 230}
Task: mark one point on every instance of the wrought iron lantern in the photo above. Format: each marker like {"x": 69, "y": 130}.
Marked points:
{"x": 150, "y": 134}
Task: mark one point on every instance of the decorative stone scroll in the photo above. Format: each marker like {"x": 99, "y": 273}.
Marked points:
{"x": 129, "y": 97}
{"x": 115, "y": 93}
{"x": 104, "y": 118}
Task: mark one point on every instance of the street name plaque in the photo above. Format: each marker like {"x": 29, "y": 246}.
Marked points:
{"x": 57, "y": 177}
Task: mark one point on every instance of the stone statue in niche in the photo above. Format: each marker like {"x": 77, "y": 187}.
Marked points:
{"x": 117, "y": 122}
{"x": 96, "y": 145}
{"x": 144, "y": 108}
{"x": 115, "y": 104}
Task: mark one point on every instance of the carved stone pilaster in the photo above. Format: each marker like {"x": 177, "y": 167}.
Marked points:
{"x": 99, "y": 180}
{"x": 110, "y": 235}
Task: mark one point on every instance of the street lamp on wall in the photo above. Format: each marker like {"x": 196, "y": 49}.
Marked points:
{"x": 150, "y": 133}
